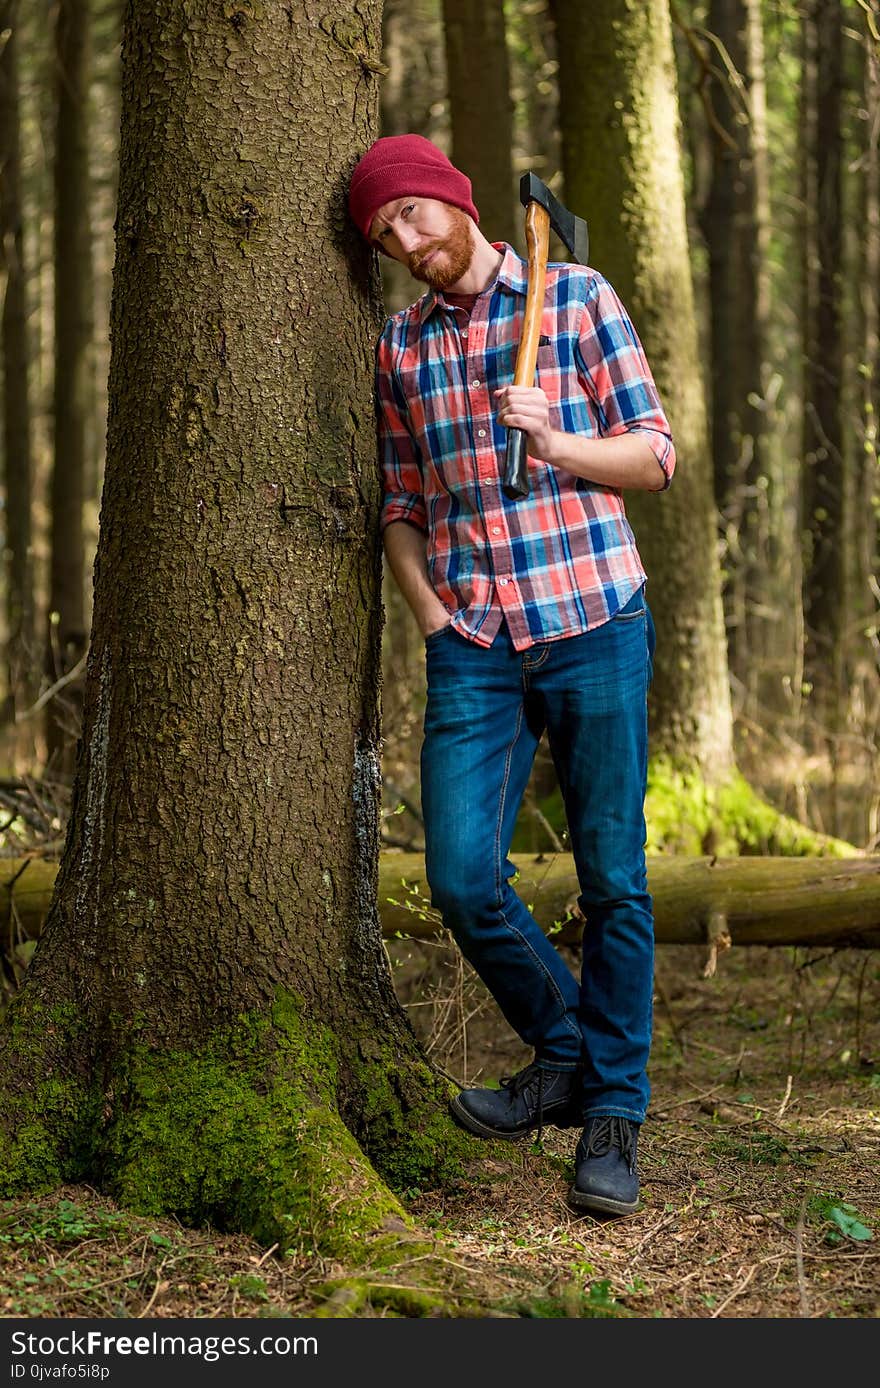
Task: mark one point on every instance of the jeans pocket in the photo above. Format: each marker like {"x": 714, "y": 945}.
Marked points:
{"x": 633, "y": 609}
{"x": 436, "y": 635}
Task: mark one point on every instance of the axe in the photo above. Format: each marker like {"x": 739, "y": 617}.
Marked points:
{"x": 542, "y": 212}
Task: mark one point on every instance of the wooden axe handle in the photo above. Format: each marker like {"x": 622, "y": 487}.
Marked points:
{"x": 516, "y": 463}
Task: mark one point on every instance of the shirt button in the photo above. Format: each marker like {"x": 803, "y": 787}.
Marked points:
{"x": 476, "y": 385}
{"x": 503, "y": 581}
{"x": 485, "y": 481}
{"x": 496, "y": 530}
{"x": 481, "y": 434}
{"x": 464, "y": 332}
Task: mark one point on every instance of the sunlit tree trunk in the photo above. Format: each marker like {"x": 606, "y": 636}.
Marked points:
{"x": 823, "y": 472}
{"x": 623, "y": 173}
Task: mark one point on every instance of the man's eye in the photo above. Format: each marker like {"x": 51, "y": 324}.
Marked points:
{"x": 410, "y": 207}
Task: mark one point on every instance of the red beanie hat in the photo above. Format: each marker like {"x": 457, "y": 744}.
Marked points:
{"x": 398, "y": 166}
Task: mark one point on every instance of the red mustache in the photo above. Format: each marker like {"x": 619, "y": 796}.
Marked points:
{"x": 418, "y": 258}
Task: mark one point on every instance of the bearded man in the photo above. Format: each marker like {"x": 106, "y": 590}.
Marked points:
{"x": 534, "y": 618}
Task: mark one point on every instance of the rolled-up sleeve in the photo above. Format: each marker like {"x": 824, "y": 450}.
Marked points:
{"x": 399, "y": 457}
{"x": 618, "y": 377}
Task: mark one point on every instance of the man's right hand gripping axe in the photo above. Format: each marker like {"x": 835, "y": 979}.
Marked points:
{"x": 542, "y": 212}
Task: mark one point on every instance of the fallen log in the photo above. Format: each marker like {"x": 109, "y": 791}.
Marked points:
{"x": 26, "y": 886}
{"x": 697, "y": 901}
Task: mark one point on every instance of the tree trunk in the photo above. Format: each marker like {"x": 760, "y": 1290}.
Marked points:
{"x": 532, "y": 50}
{"x": 823, "y": 473}
{"x": 481, "y": 110}
{"x": 764, "y": 901}
{"x": 20, "y": 651}
{"x": 208, "y": 1026}
{"x": 735, "y": 224}
{"x": 414, "y": 86}
{"x": 623, "y": 174}
{"x": 412, "y": 97}
{"x": 104, "y": 163}
{"x": 867, "y": 553}
{"x": 73, "y": 411}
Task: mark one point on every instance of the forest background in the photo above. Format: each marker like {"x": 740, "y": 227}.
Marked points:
{"x": 725, "y": 156}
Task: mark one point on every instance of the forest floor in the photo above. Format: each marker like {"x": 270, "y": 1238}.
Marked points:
{"x": 760, "y": 1164}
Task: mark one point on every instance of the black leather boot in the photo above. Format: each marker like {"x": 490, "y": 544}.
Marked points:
{"x": 524, "y": 1102}
{"x": 606, "y": 1174}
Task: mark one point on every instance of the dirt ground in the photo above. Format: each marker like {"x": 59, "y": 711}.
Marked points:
{"x": 759, "y": 1161}
{"x": 759, "y": 1158}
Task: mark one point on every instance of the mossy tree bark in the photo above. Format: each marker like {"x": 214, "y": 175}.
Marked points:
{"x": 209, "y": 1026}
{"x": 16, "y": 396}
{"x": 623, "y": 174}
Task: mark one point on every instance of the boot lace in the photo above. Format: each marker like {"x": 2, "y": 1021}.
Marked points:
{"x": 532, "y": 1077}
{"x": 607, "y": 1133}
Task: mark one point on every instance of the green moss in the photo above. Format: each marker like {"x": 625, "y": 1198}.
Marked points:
{"x": 243, "y": 1132}
{"x": 686, "y": 815}
{"x": 570, "y": 1301}
{"x": 47, "y": 1132}
{"x": 406, "y": 1128}
{"x": 350, "y": 1296}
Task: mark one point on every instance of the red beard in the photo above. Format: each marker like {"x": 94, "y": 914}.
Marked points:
{"x": 454, "y": 258}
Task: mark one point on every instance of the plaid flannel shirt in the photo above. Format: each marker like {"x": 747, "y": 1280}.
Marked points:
{"x": 563, "y": 560}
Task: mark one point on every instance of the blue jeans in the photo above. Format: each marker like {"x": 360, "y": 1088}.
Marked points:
{"x": 486, "y": 710}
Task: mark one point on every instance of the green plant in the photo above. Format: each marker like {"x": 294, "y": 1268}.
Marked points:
{"x": 64, "y": 1222}
{"x": 845, "y": 1220}
{"x": 250, "y": 1286}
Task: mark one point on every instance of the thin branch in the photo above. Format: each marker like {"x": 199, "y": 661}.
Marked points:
{"x": 53, "y": 689}
{"x": 799, "y": 1258}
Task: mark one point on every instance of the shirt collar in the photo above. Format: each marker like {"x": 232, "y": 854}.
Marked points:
{"x": 512, "y": 274}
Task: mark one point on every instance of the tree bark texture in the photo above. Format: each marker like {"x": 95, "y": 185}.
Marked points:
{"x": 868, "y": 480}
{"x": 823, "y": 473}
{"x": 764, "y": 901}
{"x": 481, "y": 109}
{"x": 212, "y": 981}
{"x": 20, "y": 652}
{"x": 736, "y": 225}
{"x": 623, "y": 174}
{"x": 74, "y": 383}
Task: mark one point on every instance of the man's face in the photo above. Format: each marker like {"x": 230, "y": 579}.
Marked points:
{"x": 432, "y": 239}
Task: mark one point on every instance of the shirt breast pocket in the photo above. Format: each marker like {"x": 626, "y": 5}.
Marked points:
{"x": 547, "y": 361}
{"x": 548, "y": 357}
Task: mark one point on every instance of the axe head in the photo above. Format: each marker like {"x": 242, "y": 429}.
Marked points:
{"x": 570, "y": 229}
